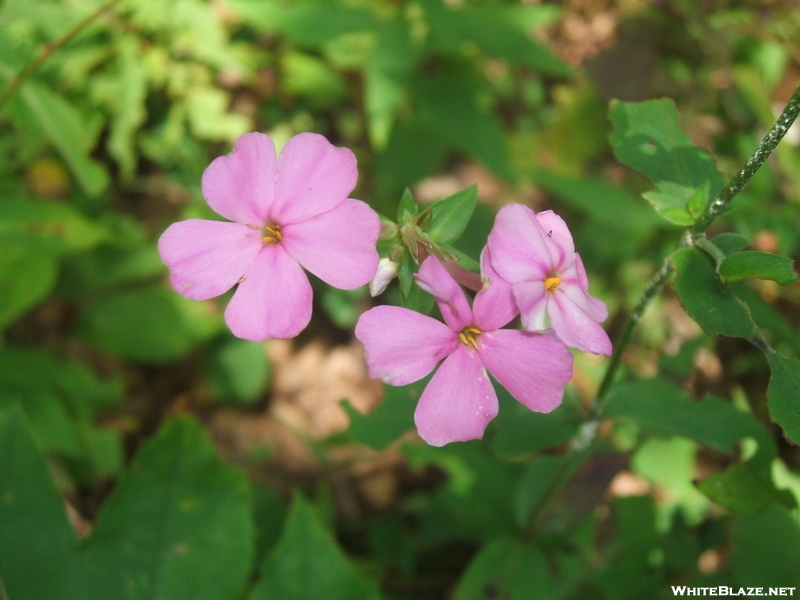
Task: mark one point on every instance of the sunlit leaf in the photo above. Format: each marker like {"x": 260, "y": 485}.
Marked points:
{"x": 758, "y": 264}
{"x": 449, "y": 217}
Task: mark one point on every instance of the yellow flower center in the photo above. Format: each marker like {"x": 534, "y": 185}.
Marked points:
{"x": 469, "y": 336}
{"x": 272, "y": 234}
{"x": 551, "y": 283}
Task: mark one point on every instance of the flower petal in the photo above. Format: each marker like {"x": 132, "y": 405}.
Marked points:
{"x": 531, "y": 299}
{"x": 517, "y": 243}
{"x": 273, "y": 301}
{"x": 573, "y": 325}
{"x": 313, "y": 177}
{"x": 337, "y": 246}
{"x": 402, "y": 346}
{"x": 533, "y": 367}
{"x": 494, "y": 306}
{"x": 207, "y": 258}
{"x": 459, "y": 401}
{"x": 571, "y": 286}
{"x": 562, "y": 248}
{"x": 434, "y": 279}
{"x": 240, "y": 186}
{"x": 596, "y": 309}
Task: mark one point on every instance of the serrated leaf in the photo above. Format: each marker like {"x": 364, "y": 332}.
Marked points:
{"x": 308, "y": 564}
{"x": 449, "y": 216}
{"x": 35, "y": 537}
{"x": 648, "y": 138}
{"x": 758, "y": 264}
{"x": 177, "y": 527}
{"x": 783, "y": 393}
{"x": 708, "y": 300}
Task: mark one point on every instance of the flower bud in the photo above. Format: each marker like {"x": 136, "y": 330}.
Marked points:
{"x": 387, "y": 270}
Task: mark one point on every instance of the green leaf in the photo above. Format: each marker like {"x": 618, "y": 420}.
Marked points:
{"x": 739, "y": 489}
{"x": 765, "y": 549}
{"x": 449, "y": 217}
{"x": 708, "y": 300}
{"x": 28, "y": 275}
{"x": 407, "y": 208}
{"x": 504, "y": 568}
{"x": 783, "y": 393}
{"x": 129, "y": 106}
{"x": 393, "y": 417}
{"x": 238, "y": 370}
{"x": 63, "y": 124}
{"x": 35, "y": 538}
{"x": 758, "y": 264}
{"x": 148, "y": 325}
{"x": 178, "y": 526}
{"x": 662, "y": 408}
{"x": 307, "y": 563}
{"x": 730, "y": 243}
{"x": 648, "y": 138}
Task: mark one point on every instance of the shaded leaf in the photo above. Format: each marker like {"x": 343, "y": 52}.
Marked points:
{"x": 393, "y": 417}
{"x": 237, "y": 370}
{"x": 783, "y": 393}
{"x": 765, "y": 549}
{"x": 449, "y": 217}
{"x": 177, "y": 527}
{"x": 35, "y": 537}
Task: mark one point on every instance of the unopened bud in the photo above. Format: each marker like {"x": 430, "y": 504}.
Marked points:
{"x": 387, "y": 270}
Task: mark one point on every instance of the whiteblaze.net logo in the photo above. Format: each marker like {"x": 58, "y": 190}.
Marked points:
{"x": 723, "y": 590}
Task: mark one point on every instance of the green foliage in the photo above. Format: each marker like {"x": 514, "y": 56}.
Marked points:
{"x": 758, "y": 264}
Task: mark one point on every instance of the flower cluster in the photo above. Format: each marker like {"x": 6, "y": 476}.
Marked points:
{"x": 292, "y": 213}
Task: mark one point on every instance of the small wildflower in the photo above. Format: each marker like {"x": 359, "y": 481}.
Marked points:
{"x": 536, "y": 254}
{"x": 287, "y": 214}
{"x": 403, "y": 346}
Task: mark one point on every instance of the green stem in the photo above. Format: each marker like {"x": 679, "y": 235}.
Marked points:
{"x": 23, "y": 75}
{"x": 578, "y": 450}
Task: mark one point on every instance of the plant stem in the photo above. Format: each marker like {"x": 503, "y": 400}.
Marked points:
{"x": 577, "y": 451}
{"x": 23, "y": 75}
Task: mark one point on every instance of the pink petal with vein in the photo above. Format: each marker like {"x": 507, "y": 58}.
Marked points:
{"x": 434, "y": 279}
{"x": 533, "y": 367}
{"x": 403, "y": 346}
{"x": 337, "y": 246}
{"x": 495, "y": 305}
{"x": 562, "y": 246}
{"x": 458, "y": 402}
{"x": 314, "y": 176}
{"x": 517, "y": 243}
{"x": 576, "y": 327}
{"x": 273, "y": 301}
{"x": 207, "y": 258}
{"x": 240, "y": 186}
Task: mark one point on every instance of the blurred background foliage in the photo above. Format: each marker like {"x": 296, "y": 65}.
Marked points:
{"x": 145, "y": 452}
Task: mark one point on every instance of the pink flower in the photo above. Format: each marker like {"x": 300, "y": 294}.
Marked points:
{"x": 536, "y": 254}
{"x": 403, "y": 346}
{"x": 288, "y": 214}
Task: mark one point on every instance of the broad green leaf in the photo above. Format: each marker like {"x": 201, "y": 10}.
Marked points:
{"x": 449, "y": 217}
{"x": 730, "y": 243}
{"x": 758, "y": 264}
{"x": 307, "y": 563}
{"x": 448, "y": 101}
{"x": 783, "y": 393}
{"x": 393, "y": 417}
{"x": 506, "y": 569}
{"x": 648, "y": 138}
{"x": 533, "y": 483}
{"x": 35, "y": 536}
{"x": 63, "y": 124}
{"x": 739, "y": 489}
{"x": 238, "y": 370}
{"x": 765, "y": 548}
{"x": 28, "y": 275}
{"x": 148, "y": 325}
{"x": 708, "y": 300}
{"x": 662, "y": 408}
{"x": 178, "y": 526}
